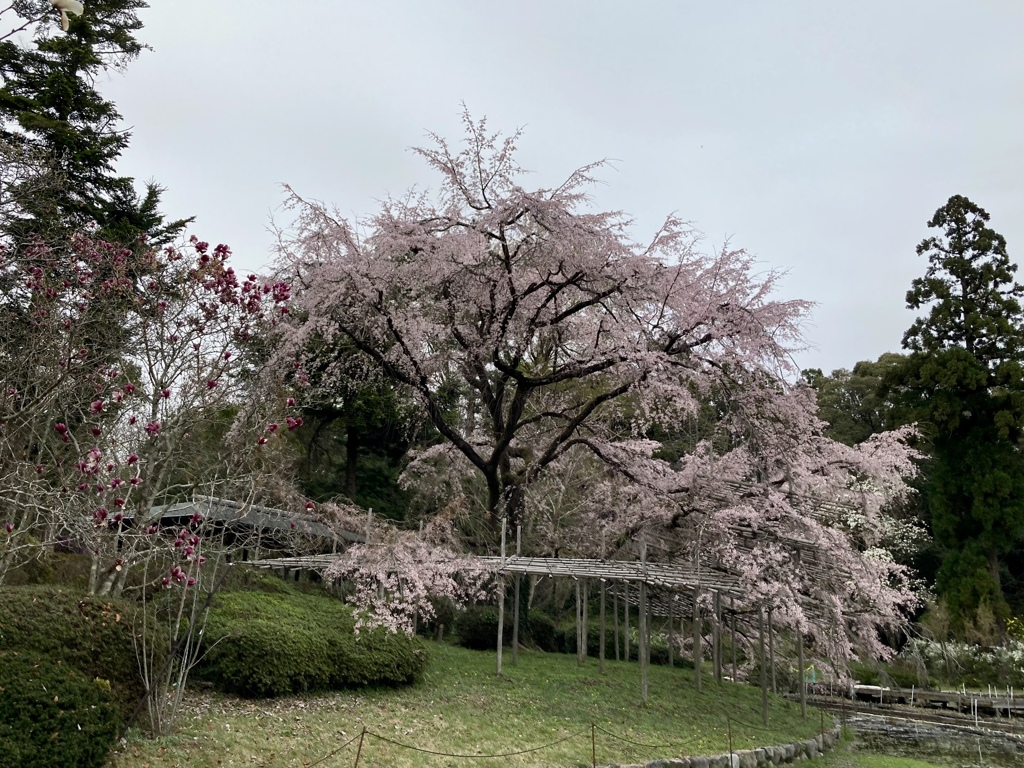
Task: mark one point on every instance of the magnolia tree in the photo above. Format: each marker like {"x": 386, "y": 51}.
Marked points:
{"x": 116, "y": 363}
{"x": 544, "y": 343}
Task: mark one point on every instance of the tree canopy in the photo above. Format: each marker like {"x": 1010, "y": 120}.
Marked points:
{"x": 544, "y": 343}
{"x": 965, "y": 372}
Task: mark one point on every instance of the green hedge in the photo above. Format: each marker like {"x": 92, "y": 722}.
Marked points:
{"x": 92, "y": 634}
{"x": 477, "y": 628}
{"x": 51, "y": 715}
{"x": 261, "y": 644}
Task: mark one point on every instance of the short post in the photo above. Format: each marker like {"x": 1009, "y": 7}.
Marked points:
{"x": 593, "y": 745}
{"x": 359, "y": 749}
{"x": 728, "y": 724}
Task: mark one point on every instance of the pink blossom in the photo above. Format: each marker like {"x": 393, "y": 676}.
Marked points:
{"x": 133, "y": 458}
{"x": 153, "y": 428}
{"x": 96, "y": 406}
{"x": 165, "y": 393}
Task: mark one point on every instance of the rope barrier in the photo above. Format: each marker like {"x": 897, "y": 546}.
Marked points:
{"x": 332, "y": 754}
{"x": 476, "y": 756}
{"x": 589, "y": 732}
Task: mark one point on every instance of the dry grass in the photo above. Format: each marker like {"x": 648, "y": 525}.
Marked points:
{"x": 462, "y": 706}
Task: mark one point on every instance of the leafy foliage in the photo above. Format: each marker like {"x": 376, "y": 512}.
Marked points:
{"x": 261, "y": 644}
{"x": 52, "y": 715}
{"x": 93, "y": 635}
{"x": 965, "y": 372}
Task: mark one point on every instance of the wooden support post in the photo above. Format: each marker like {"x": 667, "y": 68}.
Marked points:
{"x": 642, "y": 636}
{"x": 732, "y": 612}
{"x": 501, "y": 617}
{"x": 771, "y": 648}
{"x": 716, "y": 637}
{"x": 501, "y": 595}
{"x": 803, "y": 682}
{"x": 698, "y": 651}
{"x": 671, "y": 621}
{"x": 515, "y": 610}
{"x": 586, "y": 618}
{"x": 615, "y": 617}
{"x": 601, "y": 650}
{"x": 626, "y": 622}
{"x": 579, "y": 624}
{"x": 764, "y": 666}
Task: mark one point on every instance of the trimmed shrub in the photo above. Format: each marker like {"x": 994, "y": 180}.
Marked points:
{"x": 91, "y": 634}
{"x": 542, "y": 632}
{"x": 53, "y": 716}
{"x": 477, "y": 628}
{"x": 263, "y": 644}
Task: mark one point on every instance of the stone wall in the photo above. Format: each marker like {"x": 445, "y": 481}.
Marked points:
{"x": 762, "y": 757}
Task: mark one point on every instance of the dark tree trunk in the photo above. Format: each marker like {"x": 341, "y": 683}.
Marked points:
{"x": 351, "y": 460}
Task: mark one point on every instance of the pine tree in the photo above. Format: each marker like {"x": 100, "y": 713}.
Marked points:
{"x": 965, "y": 370}
{"x": 49, "y": 104}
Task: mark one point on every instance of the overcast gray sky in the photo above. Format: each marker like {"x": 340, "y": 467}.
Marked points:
{"x": 820, "y": 136}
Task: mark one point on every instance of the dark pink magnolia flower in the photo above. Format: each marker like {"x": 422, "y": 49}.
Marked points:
{"x": 165, "y": 393}
{"x": 291, "y": 401}
{"x": 100, "y": 488}
{"x": 96, "y": 431}
{"x": 211, "y": 384}
{"x": 100, "y": 514}
{"x": 133, "y": 459}
{"x": 136, "y": 480}
{"x": 151, "y": 530}
{"x": 310, "y": 505}
{"x": 201, "y": 560}
{"x": 291, "y": 524}
{"x": 292, "y": 424}
{"x": 153, "y": 428}
{"x": 96, "y": 406}
{"x": 261, "y": 441}
{"x": 194, "y": 541}
{"x": 129, "y": 388}
{"x": 117, "y": 482}
{"x": 9, "y": 528}
{"x": 118, "y": 517}
{"x": 227, "y": 355}
{"x": 191, "y": 581}
{"x": 118, "y": 502}
{"x": 62, "y": 430}
{"x": 166, "y": 582}
{"x": 40, "y": 468}
{"x": 272, "y": 427}
{"x": 83, "y": 486}
{"x": 132, "y": 419}
{"x": 188, "y": 551}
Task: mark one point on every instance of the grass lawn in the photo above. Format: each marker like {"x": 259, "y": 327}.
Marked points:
{"x": 845, "y": 757}
{"x": 462, "y": 706}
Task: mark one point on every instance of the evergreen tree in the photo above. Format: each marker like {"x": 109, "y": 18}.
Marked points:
{"x": 49, "y": 103}
{"x": 965, "y": 372}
